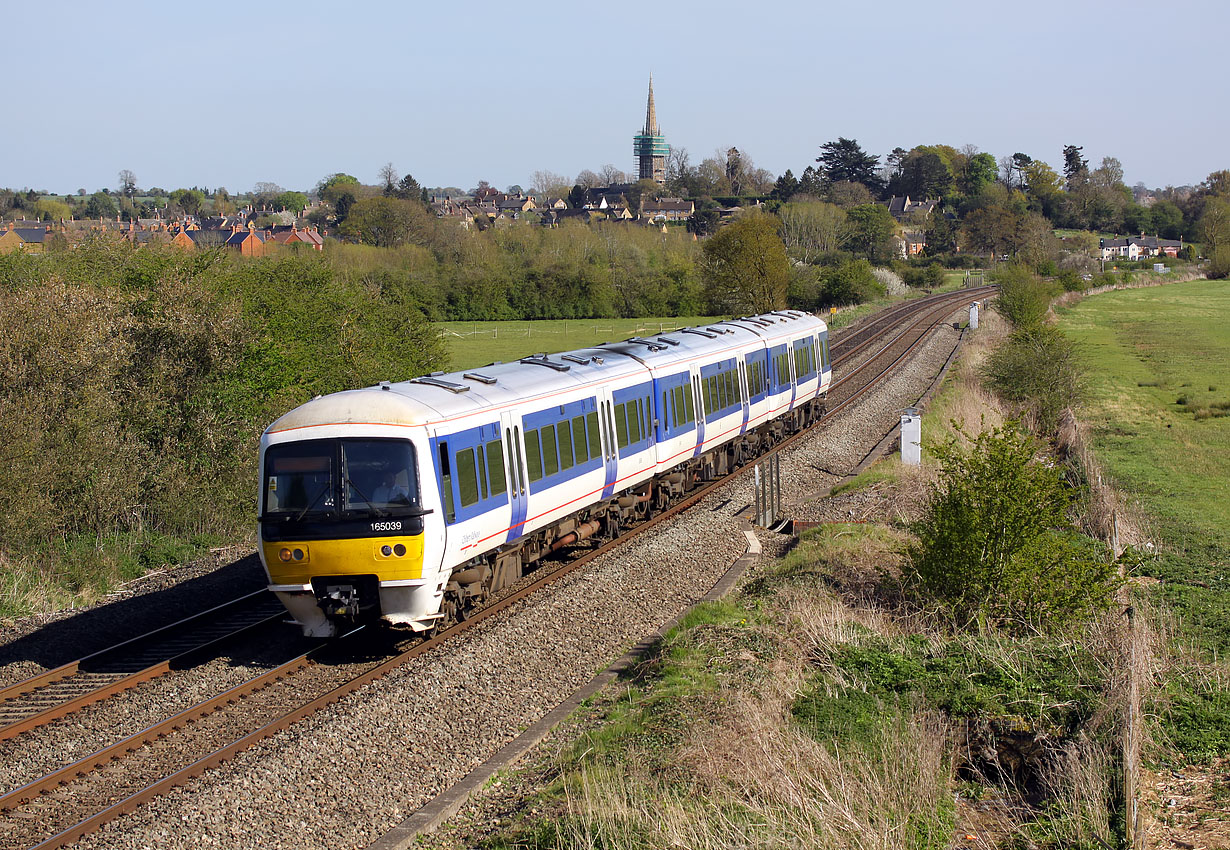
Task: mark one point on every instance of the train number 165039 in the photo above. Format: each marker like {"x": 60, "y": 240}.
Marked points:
{"x": 387, "y": 526}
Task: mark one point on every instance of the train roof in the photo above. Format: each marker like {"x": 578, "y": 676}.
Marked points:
{"x": 444, "y": 396}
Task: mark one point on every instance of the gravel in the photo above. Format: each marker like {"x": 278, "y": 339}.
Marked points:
{"x": 346, "y": 775}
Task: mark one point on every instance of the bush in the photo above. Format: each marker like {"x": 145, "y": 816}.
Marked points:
{"x": 995, "y": 545}
{"x": 1023, "y": 297}
{"x": 1071, "y": 281}
{"x": 1038, "y": 369}
{"x": 850, "y": 283}
{"x": 1219, "y": 263}
{"x": 134, "y": 385}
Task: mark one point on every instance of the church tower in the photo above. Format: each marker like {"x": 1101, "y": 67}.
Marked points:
{"x": 650, "y": 148}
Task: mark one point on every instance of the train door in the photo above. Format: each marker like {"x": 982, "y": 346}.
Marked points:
{"x": 700, "y": 411}
{"x": 743, "y": 393}
{"x": 610, "y": 455}
{"x": 515, "y": 469}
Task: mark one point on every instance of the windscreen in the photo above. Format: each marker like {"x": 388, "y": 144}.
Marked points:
{"x": 380, "y": 476}
{"x": 300, "y": 479}
{"x": 318, "y": 479}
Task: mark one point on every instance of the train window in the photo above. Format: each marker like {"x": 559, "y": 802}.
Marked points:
{"x": 533, "y": 455}
{"x": 723, "y": 390}
{"x": 467, "y": 477}
{"x": 824, "y": 353}
{"x": 664, "y": 410}
{"x": 689, "y": 406}
{"x": 732, "y": 392}
{"x": 637, "y": 433}
{"x": 621, "y": 425}
{"x": 495, "y": 465}
{"x": 595, "y": 437}
{"x": 578, "y": 439}
{"x": 446, "y": 482}
{"x": 710, "y": 395}
{"x": 565, "y": 445}
{"x": 634, "y": 423}
{"x": 550, "y": 453}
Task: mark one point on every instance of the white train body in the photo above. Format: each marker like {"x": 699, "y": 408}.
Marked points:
{"x": 413, "y": 501}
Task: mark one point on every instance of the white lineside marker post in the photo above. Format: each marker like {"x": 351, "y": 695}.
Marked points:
{"x": 911, "y": 437}
{"x": 973, "y": 316}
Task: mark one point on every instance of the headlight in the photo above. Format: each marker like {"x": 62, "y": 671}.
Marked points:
{"x": 399, "y": 550}
{"x": 284, "y": 554}
{"x": 386, "y": 550}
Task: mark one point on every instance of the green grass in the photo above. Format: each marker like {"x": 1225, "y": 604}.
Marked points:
{"x": 1157, "y": 357}
{"x": 472, "y": 344}
{"x": 1158, "y": 360}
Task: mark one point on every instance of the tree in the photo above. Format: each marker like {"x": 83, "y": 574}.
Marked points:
{"x": 188, "y": 200}
{"x": 1167, "y": 219}
{"x": 940, "y": 235}
{"x": 991, "y": 229}
{"x": 386, "y": 222}
{"x": 811, "y": 182}
{"x": 339, "y": 190}
{"x": 295, "y": 202}
{"x": 576, "y": 196}
{"x": 785, "y": 187}
{"x": 588, "y": 180}
{"x": 646, "y": 187}
{"x": 611, "y": 176}
{"x": 265, "y": 191}
{"x": 847, "y": 195}
{"x": 870, "y": 231}
{"x": 810, "y": 228}
{"x": 1075, "y": 166}
{"x": 844, "y": 159}
{"x": 549, "y": 184}
{"x": 745, "y": 265}
{"x": 388, "y": 178}
{"x": 995, "y": 545}
{"x": 979, "y": 173}
{"x": 128, "y": 184}
{"x": 99, "y": 205}
{"x": 1215, "y": 231}
{"x": 922, "y": 175}
{"x": 1038, "y": 371}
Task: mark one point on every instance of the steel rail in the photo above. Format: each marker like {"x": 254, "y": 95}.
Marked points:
{"x": 238, "y": 692}
{"x": 99, "y": 686}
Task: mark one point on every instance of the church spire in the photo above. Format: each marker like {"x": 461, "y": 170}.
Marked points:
{"x": 651, "y": 114}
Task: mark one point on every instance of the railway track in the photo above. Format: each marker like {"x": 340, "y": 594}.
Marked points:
{"x": 37, "y": 701}
{"x": 60, "y": 807}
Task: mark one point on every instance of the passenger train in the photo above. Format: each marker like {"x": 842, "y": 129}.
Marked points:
{"x": 415, "y": 501}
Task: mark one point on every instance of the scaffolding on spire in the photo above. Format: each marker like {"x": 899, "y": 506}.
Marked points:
{"x": 650, "y": 147}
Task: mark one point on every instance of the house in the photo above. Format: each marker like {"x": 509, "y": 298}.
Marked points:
{"x": 1135, "y": 247}
{"x": 28, "y": 239}
{"x": 915, "y": 242}
{"x": 667, "y": 209}
{"x": 557, "y": 204}
{"x": 292, "y": 236}
{"x": 902, "y": 208}
{"x": 245, "y": 242}
{"x": 516, "y": 204}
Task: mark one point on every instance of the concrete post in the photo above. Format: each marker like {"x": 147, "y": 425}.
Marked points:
{"x": 911, "y": 437}
{"x": 973, "y": 316}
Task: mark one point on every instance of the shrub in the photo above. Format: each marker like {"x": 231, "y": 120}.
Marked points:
{"x": 1037, "y": 369}
{"x": 1023, "y": 297}
{"x": 850, "y": 283}
{"x": 995, "y": 544}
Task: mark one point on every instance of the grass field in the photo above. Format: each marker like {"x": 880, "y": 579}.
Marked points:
{"x": 1160, "y": 395}
{"x": 472, "y": 344}
{"x": 1159, "y": 379}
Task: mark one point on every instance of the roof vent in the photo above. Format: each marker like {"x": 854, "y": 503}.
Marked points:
{"x": 575, "y": 358}
{"x": 699, "y": 332}
{"x": 653, "y": 346}
{"x": 482, "y": 379}
{"x": 444, "y": 385}
{"x": 386, "y": 386}
{"x": 542, "y": 360}
{"x": 668, "y": 340}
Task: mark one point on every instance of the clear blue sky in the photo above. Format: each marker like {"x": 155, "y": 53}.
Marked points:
{"x": 228, "y": 95}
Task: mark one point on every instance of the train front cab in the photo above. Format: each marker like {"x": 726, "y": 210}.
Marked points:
{"x": 343, "y": 532}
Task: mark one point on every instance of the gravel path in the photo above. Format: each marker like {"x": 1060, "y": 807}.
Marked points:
{"x": 346, "y": 775}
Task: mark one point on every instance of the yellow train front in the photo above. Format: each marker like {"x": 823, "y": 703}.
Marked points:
{"x": 342, "y": 522}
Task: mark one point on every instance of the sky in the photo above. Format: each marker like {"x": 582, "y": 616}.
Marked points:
{"x": 453, "y": 93}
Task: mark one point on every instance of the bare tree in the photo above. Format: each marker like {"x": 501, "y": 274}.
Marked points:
{"x": 611, "y": 175}
{"x": 128, "y": 184}
{"x": 588, "y": 179}
{"x": 388, "y": 178}
{"x": 549, "y": 183}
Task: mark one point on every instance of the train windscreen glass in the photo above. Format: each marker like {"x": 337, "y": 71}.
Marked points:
{"x": 299, "y": 479}
{"x": 380, "y": 477}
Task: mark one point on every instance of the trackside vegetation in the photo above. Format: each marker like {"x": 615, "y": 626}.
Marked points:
{"x": 134, "y": 385}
